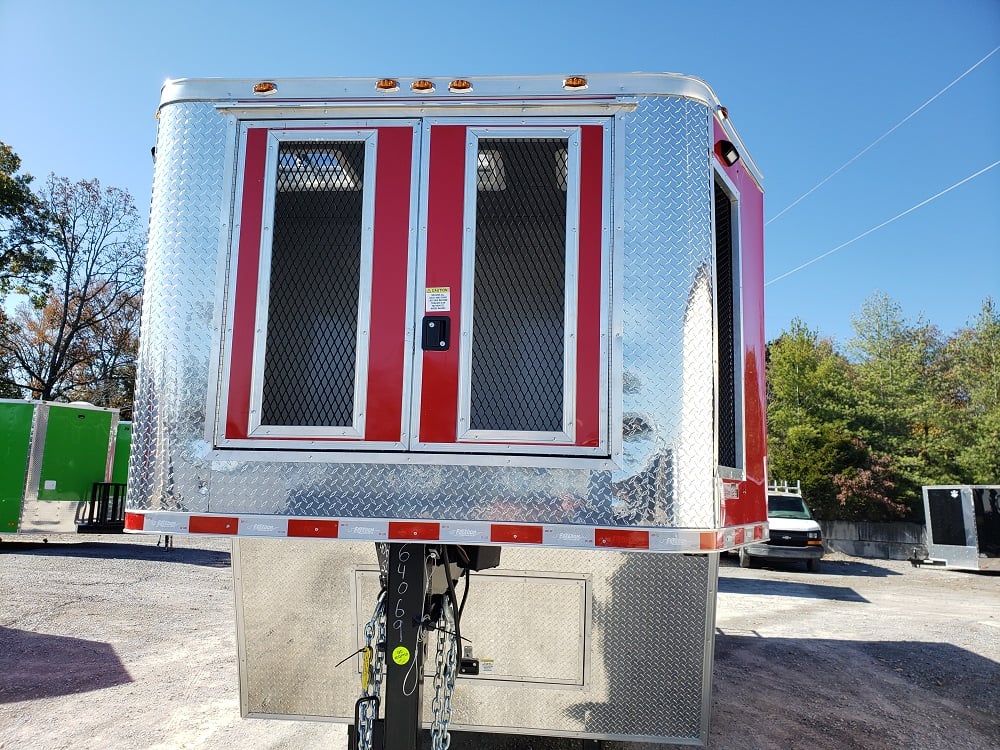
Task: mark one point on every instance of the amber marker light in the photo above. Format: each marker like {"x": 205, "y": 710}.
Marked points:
{"x": 422, "y": 86}
{"x": 460, "y": 86}
{"x": 265, "y": 88}
{"x": 575, "y": 83}
{"x": 387, "y": 85}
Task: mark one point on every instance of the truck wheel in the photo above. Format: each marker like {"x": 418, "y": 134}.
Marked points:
{"x": 812, "y": 566}
{"x": 745, "y": 559}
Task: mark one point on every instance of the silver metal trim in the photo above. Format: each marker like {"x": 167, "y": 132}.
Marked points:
{"x": 306, "y": 451}
{"x": 222, "y": 323}
{"x": 616, "y": 292}
{"x": 241, "y": 636}
{"x": 739, "y": 345}
{"x": 299, "y": 92}
{"x": 570, "y": 311}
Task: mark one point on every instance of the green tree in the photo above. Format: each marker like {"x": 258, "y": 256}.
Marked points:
{"x": 904, "y": 415}
{"x": 974, "y": 368}
{"x": 811, "y": 408}
{"x": 92, "y": 237}
{"x": 24, "y": 264}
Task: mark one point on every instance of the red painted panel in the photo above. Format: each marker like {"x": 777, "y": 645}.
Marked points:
{"x": 389, "y": 284}
{"x": 213, "y": 525}
{"x": 516, "y": 534}
{"x": 621, "y": 538}
{"x": 588, "y": 351}
{"x": 247, "y": 265}
{"x": 445, "y": 219}
{"x": 751, "y": 506}
{"x": 425, "y": 530}
{"x": 390, "y": 277}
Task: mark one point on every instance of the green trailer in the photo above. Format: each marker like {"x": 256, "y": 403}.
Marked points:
{"x": 51, "y": 456}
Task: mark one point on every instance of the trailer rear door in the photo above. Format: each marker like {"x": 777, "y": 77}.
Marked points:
{"x": 418, "y": 285}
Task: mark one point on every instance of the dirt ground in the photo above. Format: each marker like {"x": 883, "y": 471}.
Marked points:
{"x": 113, "y": 642}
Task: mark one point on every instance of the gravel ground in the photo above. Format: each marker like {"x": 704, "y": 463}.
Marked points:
{"x": 113, "y": 642}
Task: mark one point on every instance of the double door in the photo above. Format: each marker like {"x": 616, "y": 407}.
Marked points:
{"x": 419, "y": 286}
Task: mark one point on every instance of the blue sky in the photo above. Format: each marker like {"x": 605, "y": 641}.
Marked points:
{"x": 808, "y": 85}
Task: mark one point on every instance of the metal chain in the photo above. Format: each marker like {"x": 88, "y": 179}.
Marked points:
{"x": 445, "y": 671}
{"x": 372, "y": 672}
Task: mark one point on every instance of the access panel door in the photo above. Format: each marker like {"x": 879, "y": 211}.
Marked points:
{"x": 514, "y": 289}
{"x": 318, "y": 345}
{"x": 419, "y": 286}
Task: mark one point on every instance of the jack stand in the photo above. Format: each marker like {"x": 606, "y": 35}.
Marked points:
{"x": 404, "y": 647}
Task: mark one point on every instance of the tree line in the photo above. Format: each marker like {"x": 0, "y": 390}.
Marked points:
{"x": 74, "y": 251}
{"x": 902, "y": 405}
{"x": 863, "y": 427}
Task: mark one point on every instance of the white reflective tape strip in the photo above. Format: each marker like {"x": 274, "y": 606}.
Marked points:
{"x": 465, "y": 533}
{"x": 165, "y": 522}
{"x": 354, "y": 529}
{"x": 268, "y": 526}
{"x": 565, "y": 536}
{"x": 568, "y": 536}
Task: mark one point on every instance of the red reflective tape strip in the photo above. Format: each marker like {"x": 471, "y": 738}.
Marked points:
{"x": 621, "y": 538}
{"x": 758, "y": 532}
{"x": 709, "y": 540}
{"x": 739, "y": 536}
{"x": 515, "y": 533}
{"x": 414, "y": 530}
{"x": 134, "y": 521}
{"x": 213, "y": 525}
{"x": 305, "y": 528}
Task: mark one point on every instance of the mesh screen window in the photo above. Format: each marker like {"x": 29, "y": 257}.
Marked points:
{"x": 729, "y": 339}
{"x": 519, "y": 308}
{"x": 315, "y": 275}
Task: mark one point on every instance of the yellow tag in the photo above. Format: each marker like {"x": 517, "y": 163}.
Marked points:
{"x": 366, "y": 667}
{"x": 401, "y": 655}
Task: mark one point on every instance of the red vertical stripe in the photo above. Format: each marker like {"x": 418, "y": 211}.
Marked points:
{"x": 445, "y": 221}
{"x": 390, "y": 274}
{"x": 590, "y": 324}
{"x": 247, "y": 268}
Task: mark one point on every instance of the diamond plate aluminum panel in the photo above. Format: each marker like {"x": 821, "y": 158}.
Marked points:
{"x": 649, "y": 640}
{"x": 667, "y": 469}
{"x": 175, "y": 357}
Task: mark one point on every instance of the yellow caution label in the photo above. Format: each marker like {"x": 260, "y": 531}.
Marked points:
{"x": 401, "y": 655}
{"x": 366, "y": 667}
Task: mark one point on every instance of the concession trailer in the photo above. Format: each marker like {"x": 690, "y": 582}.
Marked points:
{"x": 963, "y": 526}
{"x": 398, "y": 333}
{"x": 62, "y": 467}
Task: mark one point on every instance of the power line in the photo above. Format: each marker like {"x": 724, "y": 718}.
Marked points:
{"x": 878, "y": 140}
{"x": 884, "y": 223}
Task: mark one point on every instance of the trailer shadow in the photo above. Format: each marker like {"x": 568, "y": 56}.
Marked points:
{"x": 801, "y": 686}
{"x": 208, "y": 558}
{"x": 851, "y": 568}
{"x": 36, "y": 665}
{"x": 763, "y": 587}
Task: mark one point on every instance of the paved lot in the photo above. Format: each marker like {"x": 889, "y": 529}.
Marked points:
{"x": 113, "y": 642}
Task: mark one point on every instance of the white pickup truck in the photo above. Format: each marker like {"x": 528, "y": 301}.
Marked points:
{"x": 795, "y": 535}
